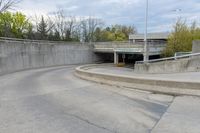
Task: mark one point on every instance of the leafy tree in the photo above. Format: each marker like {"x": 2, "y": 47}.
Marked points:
{"x": 120, "y": 36}
{"x": 114, "y": 33}
{"x": 88, "y": 27}
{"x": 42, "y": 29}
{"x": 13, "y": 25}
{"x": 20, "y": 25}
{"x": 97, "y": 34}
{"x": 180, "y": 40}
{"x": 63, "y": 28}
{"x": 107, "y": 36}
{"x": 6, "y": 21}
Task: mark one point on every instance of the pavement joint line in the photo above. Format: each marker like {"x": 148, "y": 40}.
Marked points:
{"x": 59, "y": 112}
{"x": 133, "y": 99}
{"x": 162, "y": 116}
{"x": 90, "y": 123}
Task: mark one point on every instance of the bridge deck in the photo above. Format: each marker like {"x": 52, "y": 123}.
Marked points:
{"x": 131, "y": 48}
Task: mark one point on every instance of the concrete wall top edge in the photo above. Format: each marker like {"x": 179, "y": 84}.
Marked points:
{"x": 43, "y": 42}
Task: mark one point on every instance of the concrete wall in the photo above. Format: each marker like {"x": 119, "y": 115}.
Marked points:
{"x": 175, "y": 66}
{"x": 21, "y": 55}
{"x": 196, "y": 46}
{"x": 191, "y": 64}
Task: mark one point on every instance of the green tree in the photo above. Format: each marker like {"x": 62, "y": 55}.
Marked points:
{"x": 180, "y": 40}
{"x": 107, "y": 36}
{"x": 6, "y": 21}
{"x": 114, "y": 33}
{"x": 98, "y": 34}
{"x": 13, "y": 25}
{"x": 20, "y": 25}
{"x": 42, "y": 29}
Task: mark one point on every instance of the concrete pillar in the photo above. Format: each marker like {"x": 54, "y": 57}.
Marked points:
{"x": 116, "y": 58}
{"x": 196, "y": 46}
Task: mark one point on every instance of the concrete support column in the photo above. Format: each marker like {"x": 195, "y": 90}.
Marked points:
{"x": 116, "y": 58}
{"x": 196, "y": 46}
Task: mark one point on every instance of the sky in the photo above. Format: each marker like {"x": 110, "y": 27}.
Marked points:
{"x": 162, "y": 14}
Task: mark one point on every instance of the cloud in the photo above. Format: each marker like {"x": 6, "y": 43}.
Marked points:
{"x": 130, "y": 12}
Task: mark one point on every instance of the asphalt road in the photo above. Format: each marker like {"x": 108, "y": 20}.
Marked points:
{"x": 53, "y": 100}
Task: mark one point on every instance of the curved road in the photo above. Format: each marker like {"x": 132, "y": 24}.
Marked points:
{"x": 53, "y": 100}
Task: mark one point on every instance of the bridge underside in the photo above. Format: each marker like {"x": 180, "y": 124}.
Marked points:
{"x": 127, "y": 52}
{"x": 124, "y": 57}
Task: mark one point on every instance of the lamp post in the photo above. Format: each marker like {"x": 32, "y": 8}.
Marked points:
{"x": 146, "y": 52}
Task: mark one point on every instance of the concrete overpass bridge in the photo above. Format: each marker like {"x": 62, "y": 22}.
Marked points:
{"x": 124, "y": 49}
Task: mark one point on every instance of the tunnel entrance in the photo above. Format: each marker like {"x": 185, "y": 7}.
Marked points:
{"x": 128, "y": 58}
{"x": 105, "y": 57}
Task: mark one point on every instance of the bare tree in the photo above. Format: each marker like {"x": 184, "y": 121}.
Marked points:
{"x": 70, "y": 25}
{"x": 7, "y": 4}
{"x": 60, "y": 23}
{"x": 88, "y": 27}
{"x": 65, "y": 25}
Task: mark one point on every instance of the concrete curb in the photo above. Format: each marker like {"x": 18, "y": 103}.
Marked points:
{"x": 158, "y": 86}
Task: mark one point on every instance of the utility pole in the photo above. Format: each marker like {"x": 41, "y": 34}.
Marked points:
{"x": 146, "y": 52}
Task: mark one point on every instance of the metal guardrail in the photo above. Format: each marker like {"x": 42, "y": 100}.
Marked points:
{"x": 181, "y": 53}
{"x": 170, "y": 58}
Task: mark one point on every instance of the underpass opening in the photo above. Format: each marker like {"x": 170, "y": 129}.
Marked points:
{"x": 129, "y": 59}
{"x": 105, "y": 57}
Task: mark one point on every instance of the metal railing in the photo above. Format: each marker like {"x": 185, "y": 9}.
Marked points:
{"x": 170, "y": 58}
{"x": 181, "y": 53}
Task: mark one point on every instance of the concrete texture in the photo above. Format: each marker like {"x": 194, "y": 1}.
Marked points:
{"x": 156, "y": 36}
{"x": 196, "y": 46}
{"x": 176, "y": 66}
{"x": 126, "y": 47}
{"x": 184, "y": 77}
{"x": 20, "y": 55}
{"x": 181, "y": 117}
{"x": 191, "y": 64}
{"x": 175, "y": 84}
{"x": 52, "y": 100}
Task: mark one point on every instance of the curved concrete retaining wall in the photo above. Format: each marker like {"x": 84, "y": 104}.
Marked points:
{"x": 191, "y": 64}
{"x": 21, "y": 55}
{"x": 181, "y": 65}
{"x": 160, "y": 86}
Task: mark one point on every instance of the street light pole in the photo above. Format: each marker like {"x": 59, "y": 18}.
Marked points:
{"x": 146, "y": 52}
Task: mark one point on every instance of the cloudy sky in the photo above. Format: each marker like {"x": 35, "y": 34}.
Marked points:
{"x": 162, "y": 13}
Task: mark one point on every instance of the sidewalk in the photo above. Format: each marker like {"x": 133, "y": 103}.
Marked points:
{"x": 182, "y": 115}
{"x": 185, "y": 77}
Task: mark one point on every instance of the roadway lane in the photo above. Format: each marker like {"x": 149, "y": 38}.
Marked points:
{"x": 53, "y": 100}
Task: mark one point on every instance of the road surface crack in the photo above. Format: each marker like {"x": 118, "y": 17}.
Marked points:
{"x": 91, "y": 123}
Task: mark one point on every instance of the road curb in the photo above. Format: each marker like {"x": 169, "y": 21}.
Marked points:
{"x": 158, "y": 86}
